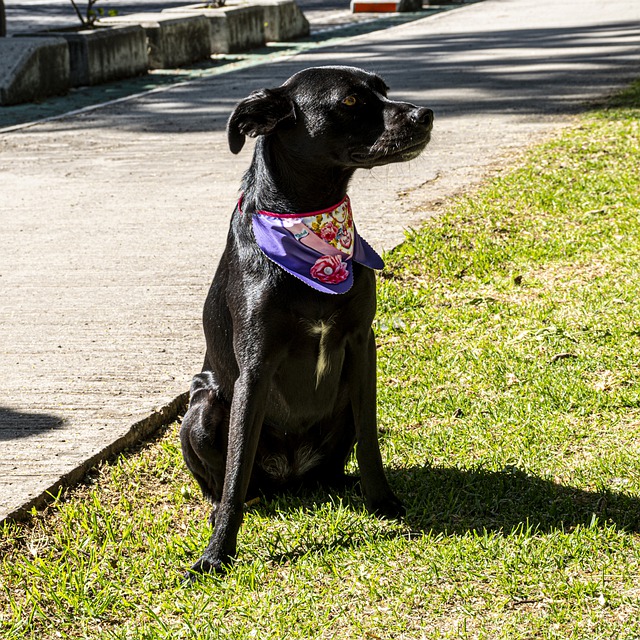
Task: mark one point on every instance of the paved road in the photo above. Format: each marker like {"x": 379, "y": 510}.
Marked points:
{"x": 113, "y": 220}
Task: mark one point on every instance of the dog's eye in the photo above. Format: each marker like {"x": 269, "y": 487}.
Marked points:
{"x": 350, "y": 101}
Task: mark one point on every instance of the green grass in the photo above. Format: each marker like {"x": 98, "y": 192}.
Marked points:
{"x": 509, "y": 407}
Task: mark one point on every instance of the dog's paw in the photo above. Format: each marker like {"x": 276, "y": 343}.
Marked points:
{"x": 387, "y": 507}
{"x": 204, "y": 567}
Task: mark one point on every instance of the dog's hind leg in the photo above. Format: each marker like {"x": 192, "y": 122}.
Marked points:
{"x": 378, "y": 495}
{"x": 203, "y": 435}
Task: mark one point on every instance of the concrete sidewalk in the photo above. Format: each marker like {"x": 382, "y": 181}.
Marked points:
{"x": 113, "y": 220}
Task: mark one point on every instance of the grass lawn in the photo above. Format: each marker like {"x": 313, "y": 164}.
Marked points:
{"x": 509, "y": 409}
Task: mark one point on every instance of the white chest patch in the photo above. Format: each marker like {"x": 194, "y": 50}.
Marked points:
{"x": 321, "y": 330}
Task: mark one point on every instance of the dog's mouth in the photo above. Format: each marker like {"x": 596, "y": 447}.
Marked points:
{"x": 390, "y": 150}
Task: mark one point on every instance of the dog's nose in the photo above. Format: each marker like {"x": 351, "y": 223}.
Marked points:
{"x": 423, "y": 116}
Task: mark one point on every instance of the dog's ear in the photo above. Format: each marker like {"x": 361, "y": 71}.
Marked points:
{"x": 257, "y": 115}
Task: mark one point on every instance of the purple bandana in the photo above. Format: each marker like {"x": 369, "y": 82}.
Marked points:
{"x": 317, "y": 248}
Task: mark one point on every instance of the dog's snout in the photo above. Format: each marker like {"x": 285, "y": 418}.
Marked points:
{"x": 423, "y": 116}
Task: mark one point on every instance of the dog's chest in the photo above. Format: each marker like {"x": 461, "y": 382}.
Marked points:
{"x": 309, "y": 383}
{"x": 321, "y": 331}
{"x": 307, "y": 404}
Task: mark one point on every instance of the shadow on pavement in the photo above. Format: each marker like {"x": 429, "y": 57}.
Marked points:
{"x": 18, "y": 424}
{"x": 537, "y": 70}
{"x": 551, "y": 70}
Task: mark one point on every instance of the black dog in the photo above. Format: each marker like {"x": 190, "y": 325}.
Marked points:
{"x": 288, "y": 385}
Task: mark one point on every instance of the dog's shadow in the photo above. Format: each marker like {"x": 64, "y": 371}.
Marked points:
{"x": 454, "y": 502}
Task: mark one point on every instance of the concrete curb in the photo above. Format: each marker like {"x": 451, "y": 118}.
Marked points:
{"x": 240, "y": 26}
{"x": 174, "y": 40}
{"x": 138, "y": 433}
{"x": 33, "y": 68}
{"x": 231, "y": 28}
{"x": 283, "y": 20}
{"x": 36, "y": 65}
{"x": 100, "y": 55}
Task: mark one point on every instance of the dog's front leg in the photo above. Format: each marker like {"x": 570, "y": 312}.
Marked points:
{"x": 378, "y": 495}
{"x": 245, "y": 423}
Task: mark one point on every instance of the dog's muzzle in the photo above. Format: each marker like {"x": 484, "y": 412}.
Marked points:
{"x": 405, "y": 139}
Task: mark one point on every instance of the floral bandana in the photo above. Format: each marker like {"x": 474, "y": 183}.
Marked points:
{"x": 318, "y": 248}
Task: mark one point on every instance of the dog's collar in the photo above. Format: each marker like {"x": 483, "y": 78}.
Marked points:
{"x": 318, "y": 248}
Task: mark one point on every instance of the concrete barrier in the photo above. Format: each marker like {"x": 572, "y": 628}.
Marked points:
{"x": 33, "y": 68}
{"x": 174, "y": 39}
{"x": 283, "y": 21}
{"x": 244, "y": 30}
{"x": 39, "y": 65}
{"x": 101, "y": 55}
{"x": 232, "y": 28}
{"x": 241, "y": 25}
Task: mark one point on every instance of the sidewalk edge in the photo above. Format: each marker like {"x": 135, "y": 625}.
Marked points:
{"x": 138, "y": 433}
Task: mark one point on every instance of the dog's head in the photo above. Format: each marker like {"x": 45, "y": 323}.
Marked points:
{"x": 341, "y": 114}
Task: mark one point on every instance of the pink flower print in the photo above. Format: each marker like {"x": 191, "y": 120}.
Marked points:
{"x": 329, "y": 232}
{"x": 330, "y": 270}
